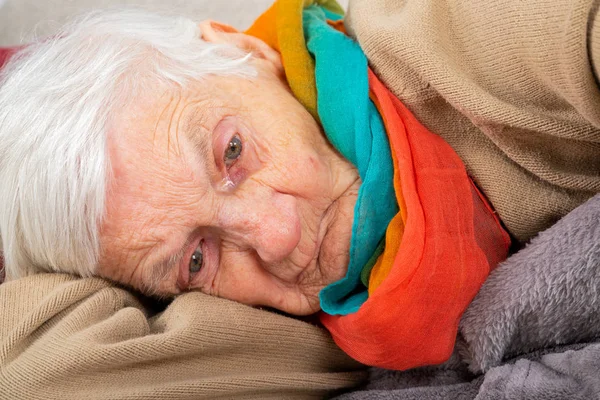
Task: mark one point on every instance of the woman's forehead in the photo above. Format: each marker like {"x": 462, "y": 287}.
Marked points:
{"x": 152, "y": 159}
{"x": 154, "y": 128}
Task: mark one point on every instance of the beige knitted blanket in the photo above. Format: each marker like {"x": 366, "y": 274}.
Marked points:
{"x": 511, "y": 85}
{"x": 68, "y": 338}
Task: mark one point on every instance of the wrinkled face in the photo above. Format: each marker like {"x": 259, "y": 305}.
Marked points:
{"x": 228, "y": 187}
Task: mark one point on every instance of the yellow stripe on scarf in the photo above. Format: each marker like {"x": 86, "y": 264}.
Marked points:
{"x": 281, "y": 28}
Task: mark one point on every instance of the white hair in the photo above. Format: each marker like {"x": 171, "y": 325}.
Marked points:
{"x": 56, "y": 101}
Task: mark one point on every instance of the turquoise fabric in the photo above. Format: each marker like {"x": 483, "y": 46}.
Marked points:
{"x": 355, "y": 128}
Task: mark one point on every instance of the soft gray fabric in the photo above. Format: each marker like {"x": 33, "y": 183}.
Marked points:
{"x": 546, "y": 294}
{"x": 532, "y": 332}
{"x": 449, "y": 381}
{"x": 461, "y": 391}
{"x": 571, "y": 375}
{"x": 563, "y": 373}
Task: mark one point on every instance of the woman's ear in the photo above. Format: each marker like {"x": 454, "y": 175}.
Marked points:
{"x": 216, "y": 32}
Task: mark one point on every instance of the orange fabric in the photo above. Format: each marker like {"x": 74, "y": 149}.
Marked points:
{"x": 412, "y": 318}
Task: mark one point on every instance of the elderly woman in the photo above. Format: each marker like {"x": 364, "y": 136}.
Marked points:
{"x": 172, "y": 157}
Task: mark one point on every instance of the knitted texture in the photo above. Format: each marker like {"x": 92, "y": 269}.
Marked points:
{"x": 510, "y": 85}
{"x": 67, "y": 338}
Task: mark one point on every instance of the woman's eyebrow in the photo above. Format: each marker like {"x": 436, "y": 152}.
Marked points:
{"x": 161, "y": 270}
{"x": 199, "y": 136}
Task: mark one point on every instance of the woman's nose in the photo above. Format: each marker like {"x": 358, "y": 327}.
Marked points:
{"x": 265, "y": 221}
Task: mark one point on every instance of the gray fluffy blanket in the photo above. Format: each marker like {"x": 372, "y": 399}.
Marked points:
{"x": 532, "y": 332}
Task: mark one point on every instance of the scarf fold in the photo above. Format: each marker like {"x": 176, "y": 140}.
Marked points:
{"x": 360, "y": 136}
{"x": 423, "y": 236}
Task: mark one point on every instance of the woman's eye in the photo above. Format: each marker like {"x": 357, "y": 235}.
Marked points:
{"x": 233, "y": 151}
{"x": 196, "y": 260}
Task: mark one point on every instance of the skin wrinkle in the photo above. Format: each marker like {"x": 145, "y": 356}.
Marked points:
{"x": 280, "y": 235}
{"x": 170, "y": 124}
{"x": 157, "y": 273}
{"x": 164, "y": 268}
{"x": 160, "y": 116}
{"x": 201, "y": 146}
{"x": 143, "y": 247}
{"x": 161, "y": 269}
{"x": 177, "y": 128}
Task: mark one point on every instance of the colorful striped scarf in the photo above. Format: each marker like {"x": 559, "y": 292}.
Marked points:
{"x": 423, "y": 239}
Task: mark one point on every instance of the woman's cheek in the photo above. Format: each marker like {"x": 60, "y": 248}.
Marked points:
{"x": 237, "y": 174}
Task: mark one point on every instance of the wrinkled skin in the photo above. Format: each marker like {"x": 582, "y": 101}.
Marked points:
{"x": 272, "y": 222}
